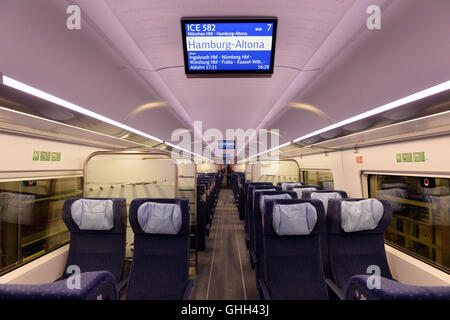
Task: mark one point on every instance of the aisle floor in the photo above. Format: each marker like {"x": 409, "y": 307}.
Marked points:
{"x": 224, "y": 270}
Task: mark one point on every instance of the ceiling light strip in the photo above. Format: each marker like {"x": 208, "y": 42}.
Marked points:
{"x": 392, "y": 105}
{"x": 48, "y": 97}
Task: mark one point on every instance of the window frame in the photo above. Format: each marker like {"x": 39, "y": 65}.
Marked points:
{"x": 24, "y": 176}
{"x": 365, "y": 176}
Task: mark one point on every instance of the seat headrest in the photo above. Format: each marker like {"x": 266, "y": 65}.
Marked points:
{"x": 159, "y": 218}
{"x": 442, "y": 202}
{"x": 324, "y": 197}
{"x": 299, "y": 191}
{"x": 294, "y": 219}
{"x": 285, "y": 185}
{"x": 361, "y": 215}
{"x": 395, "y": 192}
{"x": 93, "y": 214}
{"x": 263, "y": 189}
{"x": 272, "y": 197}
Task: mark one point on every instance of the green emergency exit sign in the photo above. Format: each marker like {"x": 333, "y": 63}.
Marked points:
{"x": 56, "y": 156}
{"x": 410, "y": 157}
{"x": 419, "y": 156}
{"x": 46, "y": 156}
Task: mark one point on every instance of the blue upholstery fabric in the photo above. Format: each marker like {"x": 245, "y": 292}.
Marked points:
{"x": 272, "y": 197}
{"x": 360, "y": 215}
{"x": 290, "y": 185}
{"x": 159, "y": 218}
{"x": 97, "y": 250}
{"x": 294, "y": 219}
{"x": 247, "y": 200}
{"x": 351, "y": 253}
{"x": 300, "y": 190}
{"x": 258, "y": 229}
{"x": 323, "y": 235}
{"x": 98, "y": 285}
{"x": 293, "y": 264}
{"x": 357, "y": 289}
{"x": 160, "y": 262}
{"x": 324, "y": 196}
{"x": 90, "y": 214}
{"x": 202, "y": 219}
{"x": 249, "y": 217}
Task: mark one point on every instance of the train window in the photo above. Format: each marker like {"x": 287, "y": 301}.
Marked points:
{"x": 31, "y": 221}
{"x": 321, "y": 178}
{"x": 420, "y": 215}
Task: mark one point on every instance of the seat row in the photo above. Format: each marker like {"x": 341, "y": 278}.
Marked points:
{"x": 97, "y": 227}
{"x": 208, "y": 188}
{"x": 321, "y": 246}
{"x": 237, "y": 183}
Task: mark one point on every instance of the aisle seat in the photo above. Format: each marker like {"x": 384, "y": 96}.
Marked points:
{"x": 355, "y": 233}
{"x": 160, "y": 267}
{"x": 292, "y": 260}
{"x": 97, "y": 229}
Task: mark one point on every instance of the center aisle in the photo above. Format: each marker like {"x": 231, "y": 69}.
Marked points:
{"x": 224, "y": 270}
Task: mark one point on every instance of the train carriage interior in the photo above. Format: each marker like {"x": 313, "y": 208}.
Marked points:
{"x": 217, "y": 150}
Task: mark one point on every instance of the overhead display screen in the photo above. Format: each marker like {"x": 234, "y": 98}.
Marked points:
{"x": 228, "y": 45}
{"x": 226, "y": 144}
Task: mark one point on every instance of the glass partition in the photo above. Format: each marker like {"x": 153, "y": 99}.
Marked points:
{"x": 322, "y": 178}
{"x": 275, "y": 171}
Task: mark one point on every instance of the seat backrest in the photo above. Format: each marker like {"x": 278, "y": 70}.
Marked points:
{"x": 97, "y": 234}
{"x": 292, "y": 261}
{"x": 249, "y": 201}
{"x": 160, "y": 266}
{"x": 247, "y": 186}
{"x": 305, "y": 188}
{"x": 387, "y": 289}
{"x": 289, "y": 185}
{"x": 355, "y": 233}
{"x": 261, "y": 197}
{"x": 248, "y": 195}
{"x": 324, "y": 196}
{"x": 440, "y": 206}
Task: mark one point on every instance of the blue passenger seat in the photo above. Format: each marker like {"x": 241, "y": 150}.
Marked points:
{"x": 97, "y": 285}
{"x": 304, "y": 188}
{"x": 324, "y": 196}
{"x": 160, "y": 266}
{"x": 293, "y": 265}
{"x": 97, "y": 234}
{"x": 358, "y": 289}
{"x": 250, "y": 226}
{"x": 355, "y": 232}
{"x": 260, "y": 197}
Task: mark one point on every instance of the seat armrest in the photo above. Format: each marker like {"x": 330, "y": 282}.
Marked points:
{"x": 335, "y": 288}
{"x": 264, "y": 289}
{"x": 187, "y": 291}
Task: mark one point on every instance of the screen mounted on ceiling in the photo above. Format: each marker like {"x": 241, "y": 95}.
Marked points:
{"x": 228, "y": 45}
{"x": 226, "y": 144}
